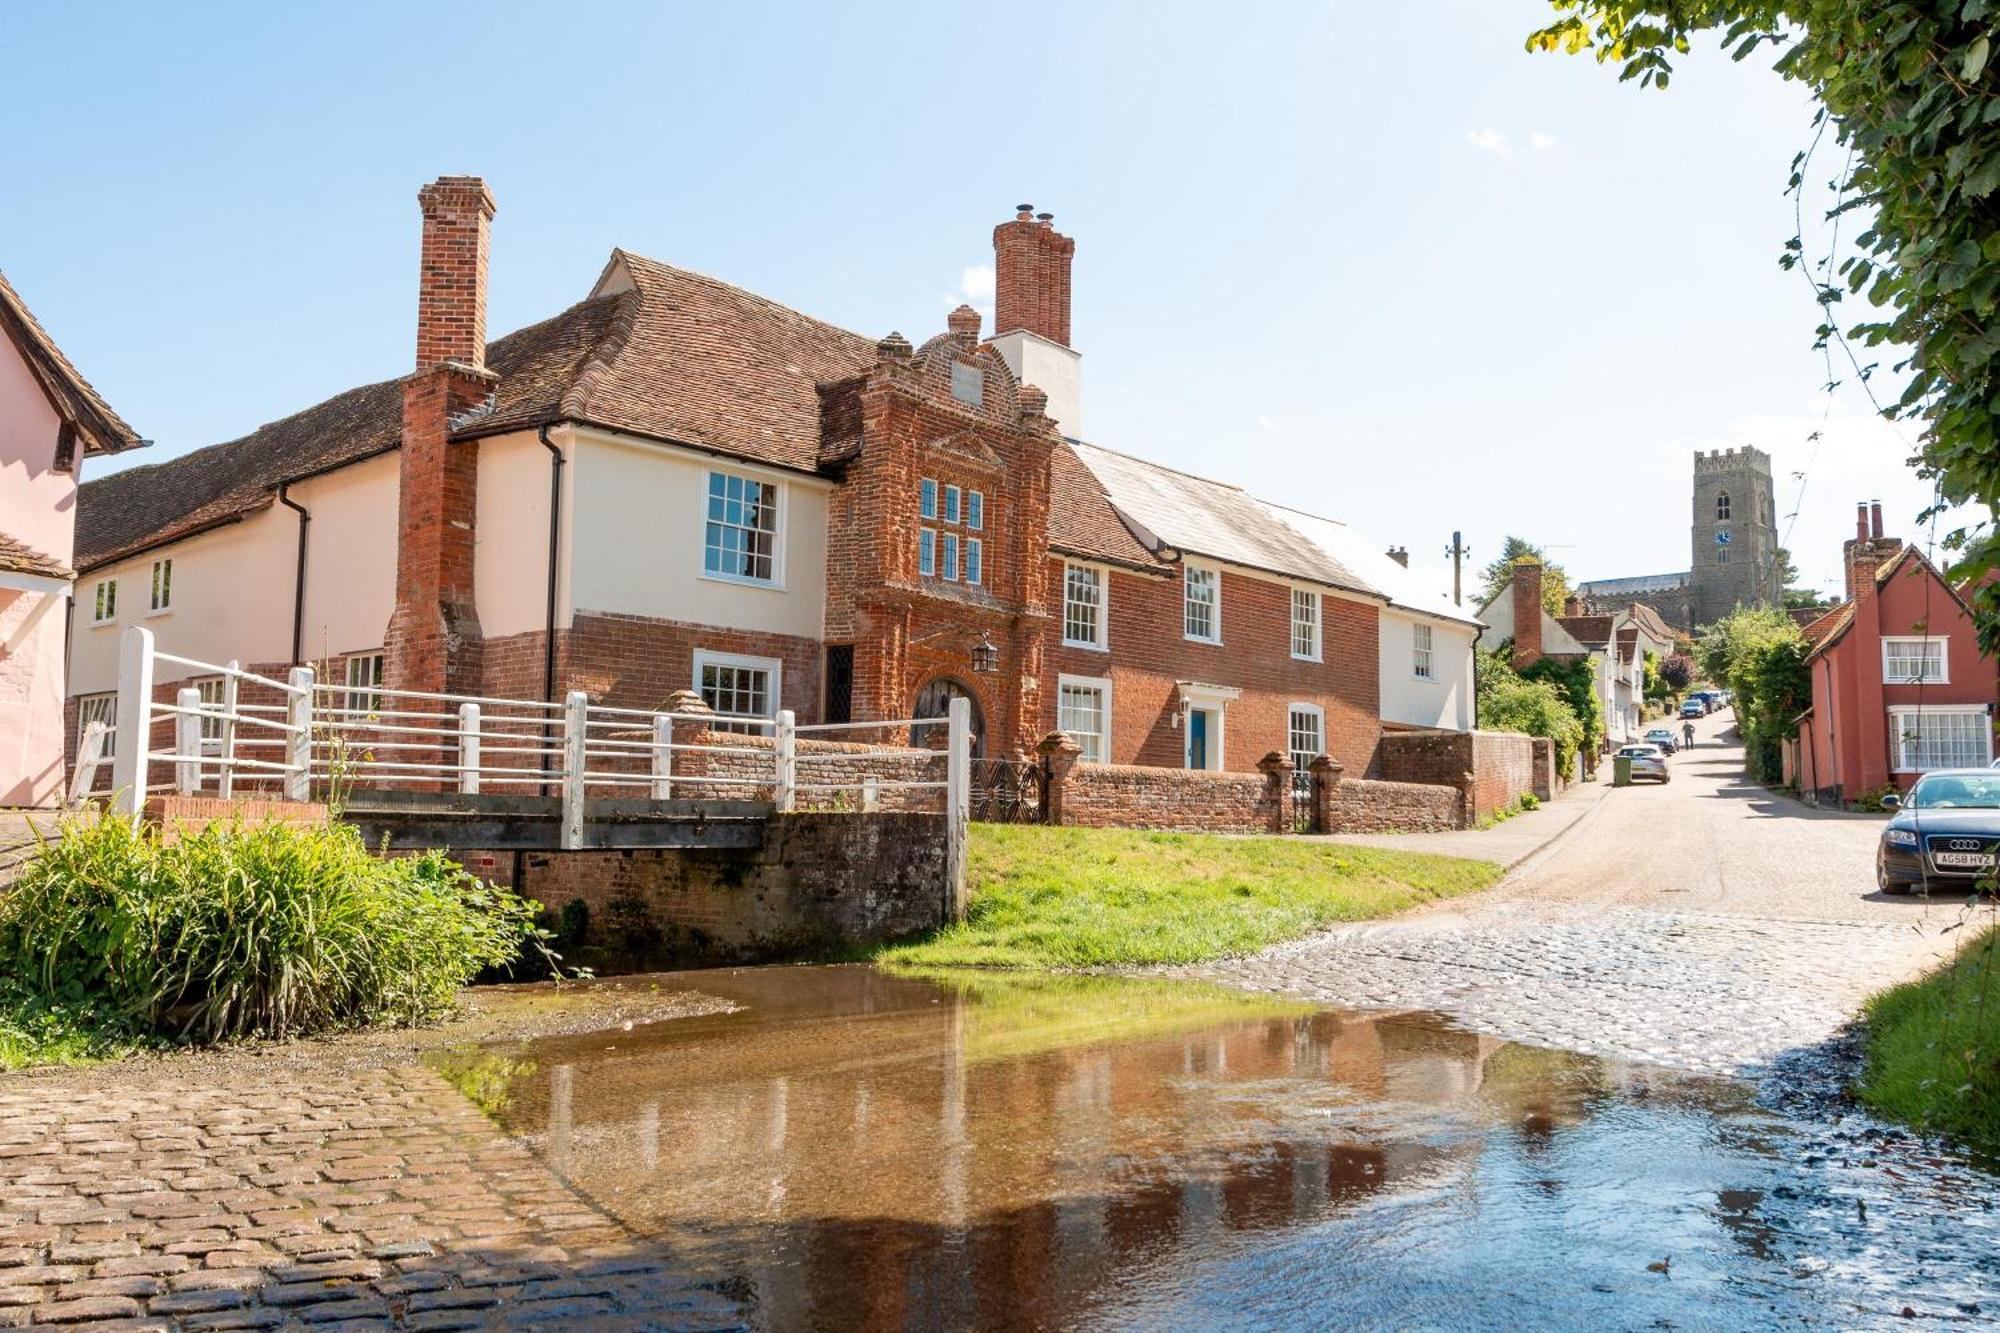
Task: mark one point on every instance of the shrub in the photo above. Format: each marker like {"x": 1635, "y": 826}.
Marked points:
{"x": 274, "y": 930}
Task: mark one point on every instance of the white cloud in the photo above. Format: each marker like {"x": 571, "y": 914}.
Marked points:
{"x": 1269, "y": 423}
{"x": 975, "y": 288}
{"x": 1491, "y": 141}
{"x": 1541, "y": 142}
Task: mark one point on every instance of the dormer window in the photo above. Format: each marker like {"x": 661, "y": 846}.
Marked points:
{"x": 968, "y": 384}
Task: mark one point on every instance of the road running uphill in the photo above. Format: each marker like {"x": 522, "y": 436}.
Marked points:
{"x": 1707, "y": 924}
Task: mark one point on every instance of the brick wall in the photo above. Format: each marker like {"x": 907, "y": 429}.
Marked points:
{"x": 1365, "y": 805}
{"x": 820, "y": 884}
{"x": 1128, "y": 796}
{"x": 1149, "y": 655}
{"x": 1501, "y": 764}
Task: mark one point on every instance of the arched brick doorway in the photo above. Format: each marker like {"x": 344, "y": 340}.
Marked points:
{"x": 934, "y": 700}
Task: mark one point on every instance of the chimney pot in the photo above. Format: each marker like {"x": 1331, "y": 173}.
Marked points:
{"x": 451, "y": 280}
{"x": 1401, "y": 555}
{"x": 1875, "y": 519}
{"x": 1861, "y": 521}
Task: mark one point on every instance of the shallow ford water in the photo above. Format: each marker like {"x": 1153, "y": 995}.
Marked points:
{"x": 855, "y": 1149}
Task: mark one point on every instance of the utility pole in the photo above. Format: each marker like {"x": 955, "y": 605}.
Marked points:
{"x": 1457, "y": 553}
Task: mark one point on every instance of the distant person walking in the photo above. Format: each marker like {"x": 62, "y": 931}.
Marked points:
{"x": 1687, "y": 734}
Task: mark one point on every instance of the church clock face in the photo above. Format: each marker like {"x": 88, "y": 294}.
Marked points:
{"x": 1722, "y": 539}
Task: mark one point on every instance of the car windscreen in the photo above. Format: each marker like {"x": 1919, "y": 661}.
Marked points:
{"x": 1955, "y": 791}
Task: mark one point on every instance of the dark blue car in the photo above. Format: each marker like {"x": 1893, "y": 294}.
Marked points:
{"x": 1945, "y": 835}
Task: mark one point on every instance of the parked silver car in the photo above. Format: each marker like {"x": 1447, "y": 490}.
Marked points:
{"x": 1648, "y": 761}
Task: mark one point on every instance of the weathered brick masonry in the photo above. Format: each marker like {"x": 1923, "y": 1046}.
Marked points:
{"x": 1493, "y": 767}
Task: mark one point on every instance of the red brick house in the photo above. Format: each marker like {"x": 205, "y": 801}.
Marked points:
{"x": 679, "y": 484}
{"x": 1899, "y": 685}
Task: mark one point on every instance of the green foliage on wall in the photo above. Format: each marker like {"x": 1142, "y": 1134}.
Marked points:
{"x": 1908, "y": 89}
{"x": 1535, "y": 704}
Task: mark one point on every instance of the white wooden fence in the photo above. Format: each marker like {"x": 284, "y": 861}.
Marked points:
{"x": 298, "y": 738}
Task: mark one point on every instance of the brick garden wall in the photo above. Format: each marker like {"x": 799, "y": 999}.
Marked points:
{"x": 1366, "y": 805}
{"x": 1129, "y": 796}
{"x": 1501, "y": 764}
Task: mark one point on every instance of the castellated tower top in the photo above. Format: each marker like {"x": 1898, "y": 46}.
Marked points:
{"x": 1732, "y": 460}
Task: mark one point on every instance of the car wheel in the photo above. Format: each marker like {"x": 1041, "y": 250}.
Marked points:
{"x": 1895, "y": 888}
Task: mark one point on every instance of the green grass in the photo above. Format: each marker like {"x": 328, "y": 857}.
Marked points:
{"x": 1067, "y": 897}
{"x": 1934, "y": 1048}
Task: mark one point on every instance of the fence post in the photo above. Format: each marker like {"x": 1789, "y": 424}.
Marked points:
{"x": 785, "y": 745}
{"x": 187, "y": 741}
{"x": 299, "y": 740}
{"x": 576, "y": 749}
{"x": 1326, "y": 771}
{"x": 957, "y": 803}
{"x": 1058, "y": 752}
{"x": 1277, "y": 770}
{"x": 468, "y": 749}
{"x": 89, "y": 757}
{"x": 663, "y": 757}
{"x": 225, "y": 774}
{"x": 134, "y": 720}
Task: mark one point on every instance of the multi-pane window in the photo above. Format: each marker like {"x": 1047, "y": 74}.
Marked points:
{"x": 1083, "y": 606}
{"x": 104, "y": 604}
{"x": 737, "y": 687}
{"x": 1928, "y": 738}
{"x": 99, "y": 708}
{"x": 364, "y": 683}
{"x": 741, "y": 540}
{"x": 1420, "y": 651}
{"x": 1083, "y": 710}
{"x": 163, "y": 584}
{"x": 1307, "y": 740}
{"x": 210, "y": 688}
{"x": 1913, "y": 661}
{"x": 949, "y": 555}
{"x": 1305, "y": 624}
{"x": 1200, "y": 604}
{"x": 1722, "y": 507}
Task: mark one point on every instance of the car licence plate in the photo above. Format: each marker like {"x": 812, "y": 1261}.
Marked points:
{"x": 1964, "y": 860}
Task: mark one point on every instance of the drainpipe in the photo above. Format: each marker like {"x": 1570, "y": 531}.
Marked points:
{"x": 556, "y": 463}
{"x": 299, "y": 579}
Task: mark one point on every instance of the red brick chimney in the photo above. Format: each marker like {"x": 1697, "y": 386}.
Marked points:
{"x": 1031, "y": 267}
{"x": 434, "y": 622}
{"x": 1875, "y": 520}
{"x": 1853, "y": 545}
{"x": 1527, "y": 612}
{"x": 1871, "y": 718}
{"x": 1573, "y": 605}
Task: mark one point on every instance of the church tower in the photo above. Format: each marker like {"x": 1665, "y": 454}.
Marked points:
{"x": 1735, "y": 559}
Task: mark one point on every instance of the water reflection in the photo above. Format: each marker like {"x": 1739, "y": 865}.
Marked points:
{"x": 854, "y": 1149}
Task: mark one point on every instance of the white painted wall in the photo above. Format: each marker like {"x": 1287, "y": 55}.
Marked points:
{"x": 638, "y": 520}
{"x": 38, "y": 507}
{"x": 233, "y": 586}
{"x": 1444, "y": 700}
{"x": 1054, "y": 369}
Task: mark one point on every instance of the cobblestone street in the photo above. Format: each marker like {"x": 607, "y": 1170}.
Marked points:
{"x": 209, "y": 1197}
{"x": 1705, "y": 924}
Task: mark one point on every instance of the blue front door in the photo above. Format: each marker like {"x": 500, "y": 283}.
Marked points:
{"x": 1197, "y": 745}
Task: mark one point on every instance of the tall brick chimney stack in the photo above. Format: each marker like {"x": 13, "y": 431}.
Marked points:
{"x": 1875, "y": 520}
{"x": 1031, "y": 272}
{"x": 1527, "y": 612}
{"x": 434, "y": 631}
{"x": 1854, "y": 545}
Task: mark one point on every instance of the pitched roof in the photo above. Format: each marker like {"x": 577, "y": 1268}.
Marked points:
{"x": 1372, "y": 565}
{"x": 1824, "y": 632}
{"x": 1591, "y": 631}
{"x": 17, "y": 557}
{"x": 1828, "y": 623}
{"x": 1210, "y": 518}
{"x": 1082, "y": 521}
{"x": 142, "y": 507}
{"x": 1649, "y": 620}
{"x": 102, "y": 430}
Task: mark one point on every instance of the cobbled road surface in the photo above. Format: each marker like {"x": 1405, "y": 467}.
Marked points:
{"x": 1706, "y": 924}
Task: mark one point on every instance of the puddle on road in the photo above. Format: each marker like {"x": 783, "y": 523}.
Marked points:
{"x": 857, "y": 1149}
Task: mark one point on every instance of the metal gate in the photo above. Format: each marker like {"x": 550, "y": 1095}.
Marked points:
{"x": 1010, "y": 791}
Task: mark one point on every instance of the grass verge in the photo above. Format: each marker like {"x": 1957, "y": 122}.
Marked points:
{"x": 1933, "y": 1048}
{"x": 1069, "y": 897}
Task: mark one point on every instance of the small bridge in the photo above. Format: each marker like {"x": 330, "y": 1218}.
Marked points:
{"x": 440, "y": 770}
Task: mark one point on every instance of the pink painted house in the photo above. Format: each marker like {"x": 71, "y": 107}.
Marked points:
{"x": 1899, "y": 685}
{"x": 50, "y": 421}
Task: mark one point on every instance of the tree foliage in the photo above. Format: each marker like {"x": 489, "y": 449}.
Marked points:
{"x": 1677, "y": 671}
{"x": 1761, "y": 656}
{"x": 1908, "y": 88}
{"x": 1555, "y": 580}
{"x": 1533, "y": 706}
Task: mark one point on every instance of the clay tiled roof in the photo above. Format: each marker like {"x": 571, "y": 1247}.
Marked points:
{"x": 102, "y": 430}
{"x": 1591, "y": 631}
{"x": 145, "y": 506}
{"x": 1649, "y": 620}
{"x": 17, "y": 557}
{"x": 1828, "y": 624}
{"x": 1082, "y": 522}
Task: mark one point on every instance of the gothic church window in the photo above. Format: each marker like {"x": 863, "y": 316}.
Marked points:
{"x": 1722, "y": 507}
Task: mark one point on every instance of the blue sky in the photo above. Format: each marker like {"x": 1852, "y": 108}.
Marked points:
{"x": 1371, "y": 260}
